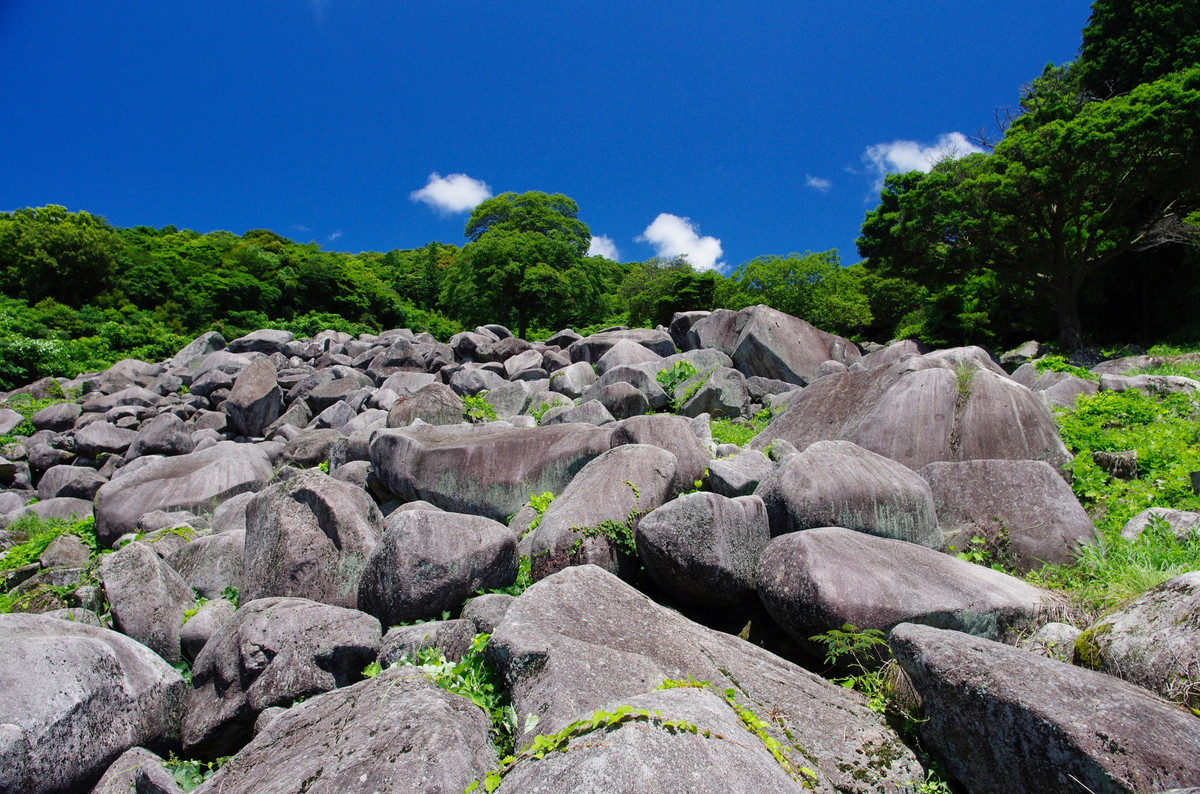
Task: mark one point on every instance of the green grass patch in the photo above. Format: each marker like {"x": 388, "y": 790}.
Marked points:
{"x": 741, "y": 431}
{"x": 41, "y": 533}
{"x": 1060, "y": 364}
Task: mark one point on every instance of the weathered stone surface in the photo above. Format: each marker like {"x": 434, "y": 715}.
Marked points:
{"x": 582, "y": 639}
{"x": 676, "y": 435}
{"x": 721, "y": 393}
{"x": 65, "y": 551}
{"x": 776, "y": 345}
{"x": 1154, "y": 384}
{"x": 57, "y": 417}
{"x": 623, "y": 400}
{"x": 102, "y": 438}
{"x": 198, "y": 348}
{"x": 1053, "y": 640}
{"x": 265, "y": 341}
{"x": 1001, "y": 719}
{"x": 212, "y": 563}
{"x": 1023, "y": 510}
{"x": 703, "y": 548}
{"x": 165, "y": 434}
{"x": 642, "y": 378}
{"x": 646, "y": 756}
{"x": 452, "y": 637}
{"x": 140, "y": 771}
{"x": 148, "y": 598}
{"x": 309, "y": 448}
{"x": 919, "y": 410}
{"x": 604, "y": 501}
{"x": 592, "y": 348}
{"x": 256, "y": 399}
{"x": 309, "y": 537}
{"x": 433, "y": 404}
{"x": 625, "y": 352}
{"x": 839, "y": 484}
{"x": 200, "y": 627}
{"x": 1153, "y": 642}
{"x": 273, "y": 652}
{"x": 486, "y": 611}
{"x": 73, "y": 698}
{"x": 821, "y": 579}
{"x": 590, "y": 412}
{"x": 572, "y": 380}
{"x": 739, "y": 475}
{"x": 76, "y": 482}
{"x": 457, "y": 469}
{"x": 1183, "y": 523}
{"x": 430, "y": 561}
{"x": 398, "y": 731}
{"x": 199, "y": 481}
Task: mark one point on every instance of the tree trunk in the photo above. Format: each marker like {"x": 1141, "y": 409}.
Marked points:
{"x": 1070, "y": 331}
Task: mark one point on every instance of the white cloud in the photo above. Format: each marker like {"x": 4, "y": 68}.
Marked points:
{"x": 453, "y": 193}
{"x": 672, "y": 235}
{"x": 903, "y": 156}
{"x": 603, "y": 246}
{"x": 335, "y": 235}
{"x": 817, "y": 183}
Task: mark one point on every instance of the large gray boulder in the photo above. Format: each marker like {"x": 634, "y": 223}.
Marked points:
{"x": 1023, "y": 511}
{"x": 309, "y": 537}
{"x": 822, "y": 579}
{"x": 211, "y": 563}
{"x": 1153, "y": 642}
{"x": 256, "y": 399}
{"x": 73, "y": 698}
{"x": 703, "y": 548}
{"x": 198, "y": 481}
{"x": 775, "y": 345}
{"x": 1002, "y": 719}
{"x": 918, "y": 410}
{"x": 433, "y": 404}
{"x": 593, "y": 520}
{"x": 647, "y": 754}
{"x": 1183, "y": 523}
{"x": 140, "y": 771}
{"x": 165, "y": 434}
{"x": 75, "y": 482}
{"x": 272, "y": 652}
{"x": 102, "y": 438}
{"x": 581, "y": 640}
{"x": 675, "y": 435}
{"x": 265, "y": 341}
{"x": 148, "y": 598}
{"x": 840, "y": 484}
{"x": 398, "y": 731}
{"x": 487, "y": 470}
{"x": 591, "y": 348}
{"x": 431, "y": 561}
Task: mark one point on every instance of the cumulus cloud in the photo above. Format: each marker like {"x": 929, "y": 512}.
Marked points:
{"x": 817, "y": 183}
{"x": 603, "y": 246}
{"x": 902, "y": 156}
{"x": 672, "y": 235}
{"x": 335, "y": 235}
{"x": 453, "y": 193}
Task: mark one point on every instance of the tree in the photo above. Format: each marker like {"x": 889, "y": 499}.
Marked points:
{"x": 51, "y": 253}
{"x": 657, "y": 288}
{"x": 812, "y": 286}
{"x": 1054, "y": 203}
{"x": 525, "y": 264}
{"x": 1130, "y": 42}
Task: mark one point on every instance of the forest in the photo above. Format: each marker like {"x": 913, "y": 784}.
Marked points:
{"x": 1079, "y": 224}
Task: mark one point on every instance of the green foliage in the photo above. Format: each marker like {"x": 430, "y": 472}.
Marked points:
{"x": 674, "y": 376}
{"x": 477, "y": 409}
{"x": 742, "y": 431}
{"x": 1129, "y": 42}
{"x": 189, "y": 773}
{"x": 1060, "y": 364}
{"x": 523, "y": 581}
{"x": 657, "y": 288}
{"x": 41, "y": 532}
{"x": 812, "y": 286}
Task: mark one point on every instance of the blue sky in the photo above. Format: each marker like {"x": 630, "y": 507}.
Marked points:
{"x": 728, "y": 131}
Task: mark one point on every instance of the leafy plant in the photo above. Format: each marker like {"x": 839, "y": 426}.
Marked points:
{"x": 672, "y": 378}
{"x": 189, "y": 773}
{"x": 1061, "y": 364}
{"x": 41, "y": 533}
{"x": 477, "y": 409}
{"x": 523, "y": 581}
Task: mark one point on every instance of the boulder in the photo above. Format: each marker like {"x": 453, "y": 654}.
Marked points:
{"x": 720, "y": 393}
{"x": 625, "y": 352}
{"x": 211, "y": 564}
{"x": 822, "y": 579}
{"x": 740, "y": 474}
{"x": 591, "y": 348}
{"x": 198, "y": 348}
{"x": 918, "y": 410}
{"x": 310, "y": 448}
{"x": 573, "y": 380}
{"x": 1025, "y": 513}
{"x": 75, "y": 482}
{"x": 309, "y": 537}
{"x": 623, "y": 400}
{"x": 57, "y": 417}
{"x": 676, "y": 435}
{"x": 1001, "y": 719}
{"x": 1153, "y": 642}
{"x": 430, "y": 561}
{"x": 839, "y": 484}
{"x": 398, "y": 731}
{"x": 255, "y": 400}
{"x": 1153, "y": 384}
{"x": 1183, "y": 523}
{"x": 703, "y": 548}
{"x": 203, "y": 625}
{"x": 593, "y": 520}
{"x": 582, "y": 640}
{"x": 165, "y": 434}
{"x": 642, "y": 378}
{"x": 487, "y": 470}
{"x": 273, "y": 652}
{"x": 73, "y": 698}
{"x": 148, "y": 598}
{"x": 266, "y": 341}
{"x": 775, "y": 345}
{"x": 140, "y": 771}
{"x": 452, "y": 637}
{"x": 198, "y": 481}
{"x": 433, "y": 404}
{"x": 102, "y": 438}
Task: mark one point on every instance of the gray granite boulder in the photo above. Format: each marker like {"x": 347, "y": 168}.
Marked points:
{"x": 1025, "y": 513}
{"x": 1001, "y": 719}
{"x": 140, "y": 771}
{"x": 430, "y": 561}
{"x": 1183, "y": 523}
{"x": 593, "y": 520}
{"x": 102, "y": 438}
{"x": 76, "y": 482}
{"x": 73, "y": 698}
{"x": 581, "y": 640}
{"x": 309, "y": 537}
{"x": 272, "y": 652}
{"x": 1153, "y": 642}
{"x": 148, "y": 598}
{"x": 676, "y": 435}
{"x": 822, "y": 579}
{"x": 840, "y": 484}
{"x": 452, "y": 637}
{"x": 198, "y": 629}
{"x": 198, "y": 481}
{"x": 487, "y": 470}
{"x": 165, "y": 434}
{"x": 775, "y": 345}
{"x": 703, "y": 548}
{"x": 255, "y": 400}
{"x": 212, "y": 563}
{"x": 398, "y": 731}
{"x": 433, "y": 404}
{"x": 740, "y": 474}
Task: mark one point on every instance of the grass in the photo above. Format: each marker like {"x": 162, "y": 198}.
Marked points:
{"x": 742, "y": 431}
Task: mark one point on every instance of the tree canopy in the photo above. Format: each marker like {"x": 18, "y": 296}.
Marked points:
{"x": 1130, "y": 42}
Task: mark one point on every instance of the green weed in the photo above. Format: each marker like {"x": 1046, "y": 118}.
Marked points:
{"x": 476, "y": 409}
